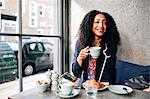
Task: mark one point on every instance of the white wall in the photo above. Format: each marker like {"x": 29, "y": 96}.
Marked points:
{"x": 133, "y": 21}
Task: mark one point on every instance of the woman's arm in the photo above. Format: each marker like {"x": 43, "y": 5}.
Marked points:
{"x": 76, "y": 68}
{"x": 79, "y": 56}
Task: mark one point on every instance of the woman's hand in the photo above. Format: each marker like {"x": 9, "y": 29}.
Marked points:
{"x": 82, "y": 55}
{"x": 147, "y": 90}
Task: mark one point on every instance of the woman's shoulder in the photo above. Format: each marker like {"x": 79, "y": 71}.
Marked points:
{"x": 77, "y": 43}
{"x": 77, "y": 47}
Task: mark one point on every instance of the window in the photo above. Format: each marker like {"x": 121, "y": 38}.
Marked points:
{"x": 2, "y": 4}
{"x": 41, "y": 10}
{"x": 37, "y": 35}
{"x": 8, "y": 23}
{"x": 40, "y": 47}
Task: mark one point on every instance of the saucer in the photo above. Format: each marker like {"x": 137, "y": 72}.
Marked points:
{"x": 120, "y": 89}
{"x": 74, "y": 93}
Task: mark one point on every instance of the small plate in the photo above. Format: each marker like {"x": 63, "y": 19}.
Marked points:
{"x": 74, "y": 93}
{"x": 120, "y": 89}
{"x": 105, "y": 87}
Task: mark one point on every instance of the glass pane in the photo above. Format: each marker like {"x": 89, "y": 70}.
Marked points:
{"x": 38, "y": 17}
{"x": 37, "y": 57}
{"x": 8, "y": 66}
{"x": 8, "y": 16}
{"x": 38, "y": 53}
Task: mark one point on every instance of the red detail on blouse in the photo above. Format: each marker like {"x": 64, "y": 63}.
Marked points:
{"x": 91, "y": 69}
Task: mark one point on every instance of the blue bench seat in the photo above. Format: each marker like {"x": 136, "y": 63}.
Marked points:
{"x": 126, "y": 70}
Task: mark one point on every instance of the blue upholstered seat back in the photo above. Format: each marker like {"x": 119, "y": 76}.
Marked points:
{"x": 126, "y": 70}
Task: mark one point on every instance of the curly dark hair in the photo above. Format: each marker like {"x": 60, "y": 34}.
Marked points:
{"x": 86, "y": 35}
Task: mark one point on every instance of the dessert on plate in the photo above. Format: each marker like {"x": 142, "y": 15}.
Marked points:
{"x": 93, "y": 83}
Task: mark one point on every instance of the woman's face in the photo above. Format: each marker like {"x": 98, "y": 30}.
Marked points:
{"x": 99, "y": 25}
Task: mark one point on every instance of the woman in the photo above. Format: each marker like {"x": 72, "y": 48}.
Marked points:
{"x": 97, "y": 29}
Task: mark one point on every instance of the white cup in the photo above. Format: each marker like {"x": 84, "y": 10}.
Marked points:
{"x": 43, "y": 87}
{"x": 95, "y": 51}
{"x": 65, "y": 88}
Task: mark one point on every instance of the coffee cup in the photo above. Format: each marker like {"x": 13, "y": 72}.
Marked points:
{"x": 95, "y": 51}
{"x": 65, "y": 88}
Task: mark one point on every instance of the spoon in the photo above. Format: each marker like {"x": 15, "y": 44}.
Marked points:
{"x": 126, "y": 90}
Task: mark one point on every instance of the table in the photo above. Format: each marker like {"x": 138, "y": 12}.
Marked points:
{"x": 105, "y": 94}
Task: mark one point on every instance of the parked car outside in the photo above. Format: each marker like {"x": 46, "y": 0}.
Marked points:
{"x": 8, "y": 63}
{"x": 36, "y": 56}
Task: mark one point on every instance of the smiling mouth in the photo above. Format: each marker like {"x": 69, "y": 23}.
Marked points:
{"x": 100, "y": 30}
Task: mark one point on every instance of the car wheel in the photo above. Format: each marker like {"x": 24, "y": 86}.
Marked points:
{"x": 28, "y": 70}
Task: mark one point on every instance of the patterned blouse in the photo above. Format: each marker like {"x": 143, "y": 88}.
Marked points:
{"x": 91, "y": 68}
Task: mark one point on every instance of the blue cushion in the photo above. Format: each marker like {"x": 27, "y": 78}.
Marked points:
{"x": 126, "y": 70}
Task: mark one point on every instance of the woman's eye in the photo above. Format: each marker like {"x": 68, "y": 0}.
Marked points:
{"x": 96, "y": 22}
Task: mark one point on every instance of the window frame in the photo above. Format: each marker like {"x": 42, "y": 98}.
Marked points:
{"x": 57, "y": 29}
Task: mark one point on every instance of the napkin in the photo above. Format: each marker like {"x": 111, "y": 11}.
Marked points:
{"x": 137, "y": 83}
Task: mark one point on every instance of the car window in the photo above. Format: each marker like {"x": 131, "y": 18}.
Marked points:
{"x": 32, "y": 46}
{"x": 40, "y": 47}
{"x": 36, "y": 47}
